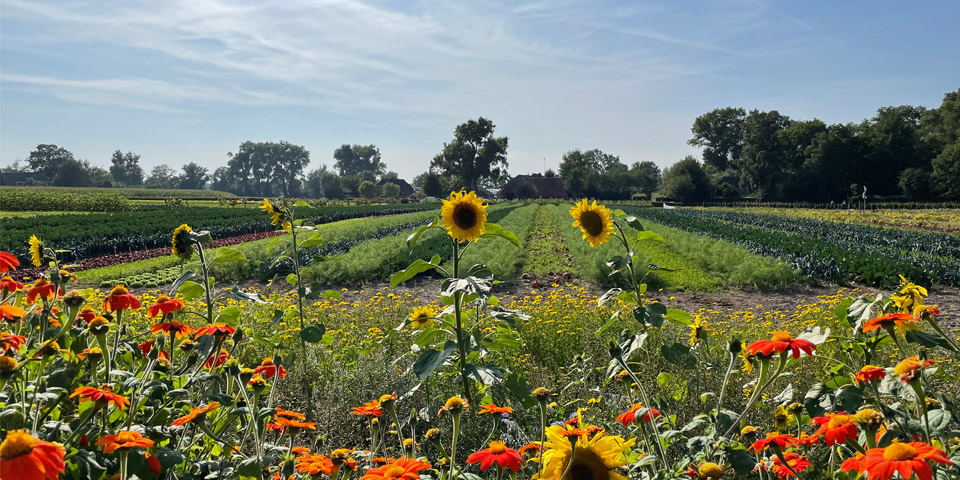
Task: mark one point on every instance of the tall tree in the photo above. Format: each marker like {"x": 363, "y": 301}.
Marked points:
{"x": 267, "y": 168}
{"x": 686, "y": 181}
{"x": 893, "y": 144}
{"x": 764, "y": 155}
{"x": 720, "y": 133}
{"x": 646, "y": 177}
{"x": 162, "y": 176}
{"x": 72, "y": 173}
{"x": 194, "y": 176}
{"x": 48, "y": 159}
{"x": 356, "y": 159}
{"x": 474, "y": 155}
{"x": 125, "y": 168}
{"x": 433, "y": 185}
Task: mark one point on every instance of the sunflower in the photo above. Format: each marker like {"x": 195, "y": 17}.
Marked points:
{"x": 900, "y": 321}
{"x": 422, "y": 317}
{"x": 497, "y": 453}
{"x": 907, "y": 369}
{"x": 182, "y": 243}
{"x": 710, "y": 470}
{"x": 596, "y": 457}
{"x": 594, "y": 221}
{"x": 36, "y": 251}
{"x": 278, "y": 217}
{"x": 8, "y": 366}
{"x": 123, "y": 440}
{"x": 463, "y": 216}
{"x": 27, "y": 458}
{"x": 8, "y": 262}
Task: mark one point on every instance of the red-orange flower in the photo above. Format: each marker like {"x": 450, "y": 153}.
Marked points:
{"x": 630, "y": 416}
{"x": 371, "y": 408}
{"x": 153, "y": 463}
{"x": 10, "y": 313}
{"x": 216, "y": 360}
{"x": 906, "y": 458}
{"x": 196, "y": 414}
{"x": 530, "y": 447}
{"x": 120, "y": 299}
{"x": 290, "y": 423}
{"x": 854, "y": 463}
{"x": 216, "y": 329}
{"x": 907, "y": 369}
{"x": 87, "y": 314}
{"x": 125, "y": 439}
{"x": 315, "y": 464}
{"x": 796, "y": 462}
{"x": 281, "y": 413}
{"x": 11, "y": 342}
{"x": 776, "y": 440}
{"x": 9, "y": 285}
{"x": 175, "y": 328}
{"x": 145, "y": 348}
{"x": 166, "y": 305}
{"x": 780, "y": 342}
{"x": 888, "y": 321}
{"x": 870, "y": 373}
{"x": 8, "y": 262}
{"x": 836, "y": 428}
{"x": 401, "y": 468}
{"x": 103, "y": 395}
{"x": 499, "y": 453}
{"x": 41, "y": 288}
{"x": 493, "y": 408}
{"x": 268, "y": 369}
{"x": 26, "y": 458}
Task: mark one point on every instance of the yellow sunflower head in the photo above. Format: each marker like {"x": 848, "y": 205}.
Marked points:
{"x": 597, "y": 456}
{"x": 463, "y": 216}
{"x": 36, "y": 250}
{"x": 423, "y": 317}
{"x": 594, "y": 221}
{"x": 182, "y": 245}
{"x": 277, "y": 216}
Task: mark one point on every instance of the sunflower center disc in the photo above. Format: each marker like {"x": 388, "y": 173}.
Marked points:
{"x": 592, "y": 223}
{"x": 465, "y": 217}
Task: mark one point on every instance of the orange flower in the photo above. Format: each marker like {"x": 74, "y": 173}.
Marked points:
{"x": 371, "y": 408}
{"x": 796, "y": 462}
{"x": 10, "y": 312}
{"x": 175, "y": 328}
{"x": 26, "y": 458}
{"x": 906, "y": 458}
{"x": 888, "y": 321}
{"x": 9, "y": 285}
{"x": 852, "y": 464}
{"x": 499, "y": 453}
{"x": 120, "y": 299}
{"x": 630, "y": 416}
{"x": 125, "y": 439}
{"x": 530, "y": 447}
{"x": 289, "y": 423}
{"x": 217, "y": 360}
{"x": 401, "y": 468}
{"x": 281, "y": 413}
{"x": 216, "y": 329}
{"x": 90, "y": 352}
{"x": 315, "y": 464}
{"x": 196, "y": 414}
{"x": 8, "y": 262}
{"x": 11, "y": 342}
{"x": 145, "y": 348}
{"x": 781, "y": 341}
{"x": 907, "y": 369}
{"x": 836, "y": 428}
{"x": 153, "y": 463}
{"x": 776, "y": 440}
{"x": 870, "y": 373}
{"x": 268, "y": 369}
{"x": 41, "y": 288}
{"x": 87, "y": 314}
{"x": 166, "y": 305}
{"x": 493, "y": 408}
{"x": 103, "y": 395}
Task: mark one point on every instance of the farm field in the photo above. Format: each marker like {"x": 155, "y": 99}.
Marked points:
{"x": 365, "y": 327}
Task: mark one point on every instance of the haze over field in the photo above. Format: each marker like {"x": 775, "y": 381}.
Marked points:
{"x": 190, "y": 81}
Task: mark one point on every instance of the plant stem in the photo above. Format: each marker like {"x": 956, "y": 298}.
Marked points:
{"x": 726, "y": 379}
{"x": 206, "y": 283}
{"x": 458, "y": 315}
{"x": 453, "y": 444}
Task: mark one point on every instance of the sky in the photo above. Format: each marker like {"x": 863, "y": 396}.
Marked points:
{"x": 181, "y": 81}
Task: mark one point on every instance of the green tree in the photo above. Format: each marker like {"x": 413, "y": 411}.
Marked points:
{"x": 763, "y": 157}
{"x": 474, "y": 155}
{"x": 391, "y": 190}
{"x": 685, "y": 181}
{"x": 946, "y": 171}
{"x": 720, "y": 133}
{"x": 162, "y": 176}
{"x": 267, "y": 168}
{"x": 390, "y": 175}
{"x": 72, "y": 173}
{"x": 368, "y": 189}
{"x": 125, "y": 168}
{"x": 893, "y": 142}
{"x": 834, "y": 160}
{"x": 915, "y": 183}
{"x": 646, "y": 177}
{"x": 433, "y": 186}
{"x": 48, "y": 159}
{"x": 351, "y": 184}
{"x": 194, "y": 176}
{"x": 355, "y": 159}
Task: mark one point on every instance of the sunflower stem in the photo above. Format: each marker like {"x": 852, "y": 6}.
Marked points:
{"x": 458, "y": 315}
{"x": 453, "y": 444}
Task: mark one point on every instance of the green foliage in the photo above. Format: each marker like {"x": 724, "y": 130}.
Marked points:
{"x": 33, "y": 198}
{"x": 474, "y": 154}
{"x": 368, "y": 189}
{"x": 503, "y": 259}
{"x": 685, "y": 181}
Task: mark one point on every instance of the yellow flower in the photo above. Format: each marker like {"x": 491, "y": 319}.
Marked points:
{"x": 594, "y": 221}
{"x": 463, "y": 216}
{"x": 181, "y": 242}
{"x": 710, "y": 470}
{"x": 422, "y": 317}
{"x": 596, "y": 457}
{"x": 698, "y": 330}
{"x": 36, "y": 250}
{"x": 277, "y": 215}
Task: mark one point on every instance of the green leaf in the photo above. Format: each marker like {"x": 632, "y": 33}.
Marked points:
{"x": 274, "y": 242}
{"x": 613, "y": 320}
{"x": 679, "y": 354}
{"x": 488, "y": 375}
{"x": 741, "y": 460}
{"x": 187, "y": 275}
{"x": 619, "y": 213}
{"x": 228, "y": 255}
{"x": 292, "y": 278}
{"x": 201, "y": 237}
{"x": 939, "y": 420}
{"x": 301, "y": 203}
{"x": 417, "y": 267}
{"x": 517, "y": 385}
{"x": 230, "y": 315}
{"x": 634, "y": 223}
{"x": 190, "y": 290}
{"x": 928, "y": 340}
{"x": 314, "y": 240}
{"x": 431, "y": 359}
{"x": 412, "y": 239}
{"x": 610, "y": 294}
{"x": 332, "y": 294}
{"x": 313, "y": 333}
{"x": 678, "y": 317}
{"x": 648, "y": 235}
{"x": 491, "y": 230}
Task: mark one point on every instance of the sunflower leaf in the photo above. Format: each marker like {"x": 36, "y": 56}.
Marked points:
{"x": 491, "y": 230}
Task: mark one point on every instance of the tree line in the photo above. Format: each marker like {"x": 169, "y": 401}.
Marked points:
{"x": 905, "y": 150}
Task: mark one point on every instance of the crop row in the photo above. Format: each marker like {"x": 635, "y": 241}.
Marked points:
{"x": 825, "y": 251}
{"x": 97, "y": 234}
{"x": 17, "y": 200}
{"x": 131, "y": 192}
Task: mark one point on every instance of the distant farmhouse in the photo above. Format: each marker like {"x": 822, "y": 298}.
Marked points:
{"x": 405, "y": 188}
{"x": 19, "y": 179}
{"x": 533, "y": 186}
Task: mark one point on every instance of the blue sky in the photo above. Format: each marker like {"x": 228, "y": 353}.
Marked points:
{"x": 180, "y": 81}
